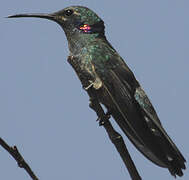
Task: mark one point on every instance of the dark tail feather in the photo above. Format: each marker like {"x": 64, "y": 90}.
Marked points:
{"x": 176, "y": 163}
{"x": 175, "y": 167}
{"x": 175, "y": 160}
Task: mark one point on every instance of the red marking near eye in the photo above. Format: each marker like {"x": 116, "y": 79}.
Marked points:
{"x": 85, "y": 27}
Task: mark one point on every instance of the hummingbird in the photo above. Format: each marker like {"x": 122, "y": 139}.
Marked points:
{"x": 115, "y": 85}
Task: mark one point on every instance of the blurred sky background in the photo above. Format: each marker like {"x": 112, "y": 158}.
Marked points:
{"x": 43, "y": 109}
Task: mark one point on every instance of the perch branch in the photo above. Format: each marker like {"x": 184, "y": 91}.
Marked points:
{"x": 13, "y": 151}
{"x": 114, "y": 136}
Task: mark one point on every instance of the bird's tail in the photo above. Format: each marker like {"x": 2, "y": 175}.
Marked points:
{"x": 175, "y": 167}
{"x": 175, "y": 160}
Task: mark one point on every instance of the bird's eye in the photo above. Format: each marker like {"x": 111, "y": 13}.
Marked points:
{"x": 68, "y": 12}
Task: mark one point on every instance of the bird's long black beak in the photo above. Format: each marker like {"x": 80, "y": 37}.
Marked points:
{"x": 44, "y": 16}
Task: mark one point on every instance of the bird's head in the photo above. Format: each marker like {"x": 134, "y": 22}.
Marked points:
{"x": 73, "y": 19}
{"x": 80, "y": 24}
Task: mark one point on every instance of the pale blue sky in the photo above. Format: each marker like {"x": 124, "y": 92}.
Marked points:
{"x": 43, "y": 109}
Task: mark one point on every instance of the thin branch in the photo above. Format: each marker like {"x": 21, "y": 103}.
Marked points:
{"x": 117, "y": 140}
{"x": 13, "y": 151}
{"x": 114, "y": 136}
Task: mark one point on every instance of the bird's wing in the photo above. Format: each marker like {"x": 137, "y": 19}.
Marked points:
{"x": 135, "y": 114}
{"x": 126, "y": 111}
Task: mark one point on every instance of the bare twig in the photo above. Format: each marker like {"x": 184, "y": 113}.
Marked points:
{"x": 114, "y": 136}
{"x": 13, "y": 151}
